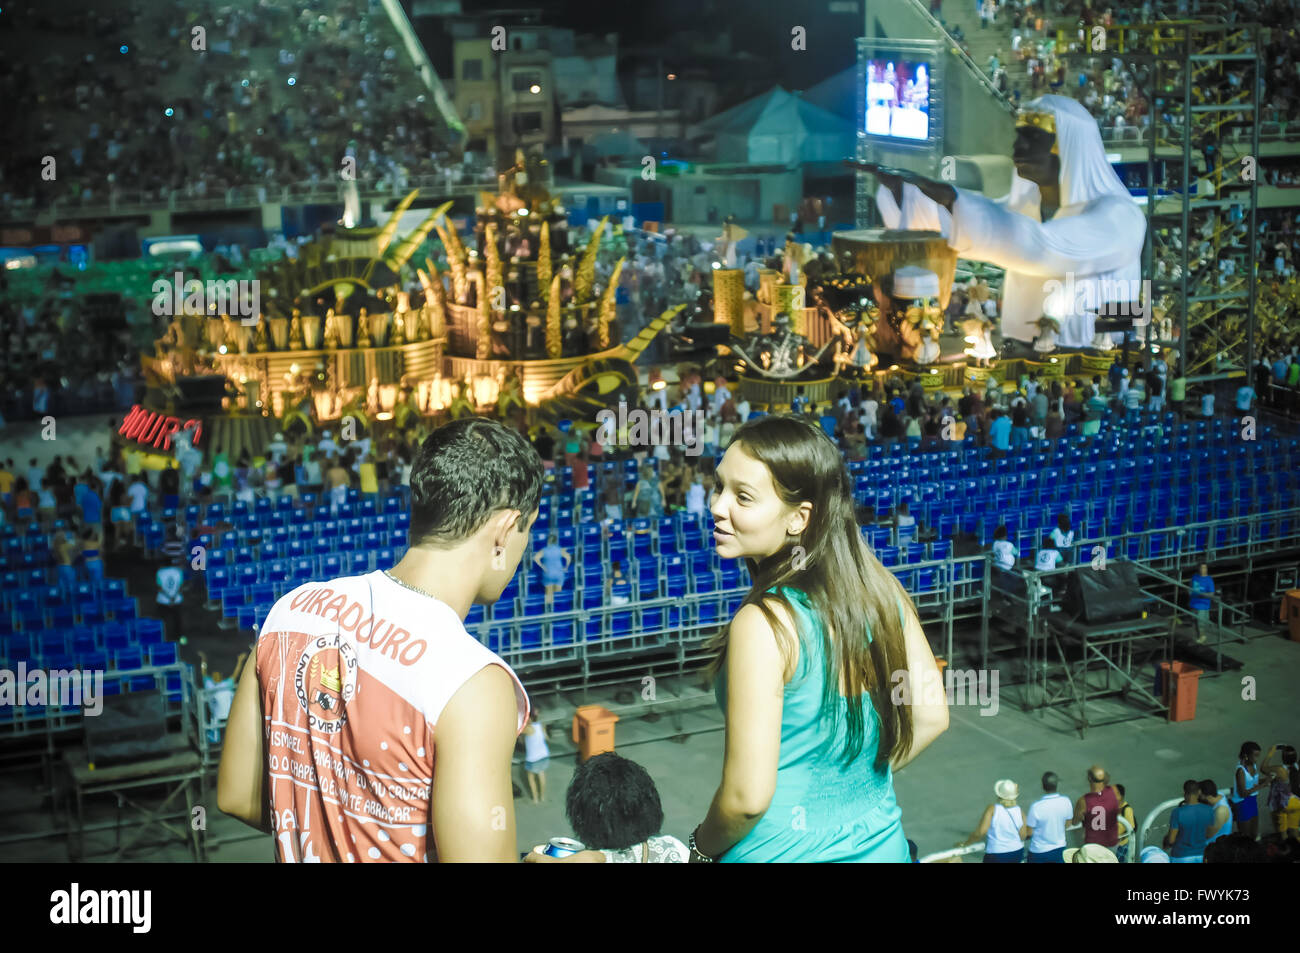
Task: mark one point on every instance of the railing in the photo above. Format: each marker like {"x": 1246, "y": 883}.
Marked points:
{"x": 1158, "y": 810}
{"x": 55, "y": 718}
{"x": 955, "y": 48}
{"x": 943, "y": 856}
{"x": 297, "y": 193}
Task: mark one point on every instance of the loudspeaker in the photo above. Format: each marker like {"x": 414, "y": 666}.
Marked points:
{"x": 1105, "y": 595}
{"x": 131, "y": 727}
{"x": 201, "y": 393}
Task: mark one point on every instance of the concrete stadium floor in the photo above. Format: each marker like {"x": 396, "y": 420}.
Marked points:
{"x": 941, "y": 794}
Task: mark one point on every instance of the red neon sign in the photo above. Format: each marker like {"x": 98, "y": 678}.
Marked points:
{"x": 146, "y": 426}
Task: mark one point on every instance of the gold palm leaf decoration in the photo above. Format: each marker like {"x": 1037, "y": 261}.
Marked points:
{"x": 356, "y": 408}
{"x": 586, "y": 276}
{"x": 455, "y": 261}
{"x": 544, "y": 257}
{"x": 435, "y": 297}
{"x": 608, "y": 304}
{"x": 386, "y": 233}
{"x": 400, "y": 255}
{"x": 554, "y": 342}
{"x": 492, "y": 257}
{"x": 483, "y": 348}
{"x": 287, "y": 421}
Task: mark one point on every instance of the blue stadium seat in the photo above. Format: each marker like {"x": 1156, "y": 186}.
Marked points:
{"x": 620, "y": 624}
{"x": 149, "y": 631}
{"x": 562, "y": 632}
{"x": 162, "y": 654}
{"x": 530, "y": 636}
{"x": 127, "y": 658}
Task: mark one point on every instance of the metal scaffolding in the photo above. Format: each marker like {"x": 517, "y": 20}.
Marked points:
{"x": 1201, "y": 80}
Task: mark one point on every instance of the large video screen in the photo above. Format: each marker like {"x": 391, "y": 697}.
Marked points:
{"x": 898, "y": 99}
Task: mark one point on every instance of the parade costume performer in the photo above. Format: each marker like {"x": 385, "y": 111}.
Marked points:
{"x": 1068, "y": 214}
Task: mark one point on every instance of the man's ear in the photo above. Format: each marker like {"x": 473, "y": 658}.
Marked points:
{"x": 507, "y": 521}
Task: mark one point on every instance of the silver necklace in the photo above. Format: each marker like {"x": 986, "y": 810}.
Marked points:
{"x": 406, "y": 585}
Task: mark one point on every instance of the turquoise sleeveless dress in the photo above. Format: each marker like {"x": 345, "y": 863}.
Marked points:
{"x": 822, "y": 811}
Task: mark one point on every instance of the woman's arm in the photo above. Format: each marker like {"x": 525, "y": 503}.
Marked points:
{"x": 755, "y": 701}
{"x": 929, "y": 708}
{"x": 982, "y": 830}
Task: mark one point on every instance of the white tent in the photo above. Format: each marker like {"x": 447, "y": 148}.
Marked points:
{"x": 778, "y": 128}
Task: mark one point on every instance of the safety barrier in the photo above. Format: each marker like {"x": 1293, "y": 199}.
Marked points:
{"x": 943, "y": 856}
{"x": 1144, "y": 832}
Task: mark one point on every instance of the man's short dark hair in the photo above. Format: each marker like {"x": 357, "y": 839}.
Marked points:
{"x": 1209, "y": 788}
{"x": 612, "y": 803}
{"x": 1234, "y": 849}
{"x": 466, "y": 471}
{"x": 1051, "y": 782}
{"x": 1191, "y": 787}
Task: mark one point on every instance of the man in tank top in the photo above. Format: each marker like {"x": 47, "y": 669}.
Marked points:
{"x": 384, "y": 730}
{"x": 1098, "y": 810}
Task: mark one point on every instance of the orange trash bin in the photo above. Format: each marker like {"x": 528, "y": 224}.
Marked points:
{"x": 593, "y": 730}
{"x": 1178, "y": 682}
{"x": 1291, "y": 612}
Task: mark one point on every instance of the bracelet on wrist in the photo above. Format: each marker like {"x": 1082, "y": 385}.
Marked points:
{"x": 697, "y": 856}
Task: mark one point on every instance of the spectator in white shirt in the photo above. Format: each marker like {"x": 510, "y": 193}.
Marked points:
{"x": 327, "y": 446}
{"x": 1005, "y": 552}
{"x": 1063, "y": 535}
{"x": 139, "y": 493}
{"x": 1049, "y": 557}
{"x": 905, "y": 522}
{"x": 1045, "y": 823}
{"x": 870, "y": 408}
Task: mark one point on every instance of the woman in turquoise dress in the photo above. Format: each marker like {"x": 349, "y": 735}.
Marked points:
{"x": 823, "y": 672}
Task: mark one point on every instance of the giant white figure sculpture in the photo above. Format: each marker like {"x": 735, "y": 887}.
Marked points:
{"x": 1069, "y": 234}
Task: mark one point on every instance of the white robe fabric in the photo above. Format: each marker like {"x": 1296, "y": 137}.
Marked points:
{"x": 1066, "y": 267}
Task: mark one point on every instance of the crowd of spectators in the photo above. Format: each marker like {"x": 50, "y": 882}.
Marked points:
{"x": 1212, "y": 823}
{"x": 51, "y": 365}
{"x": 280, "y": 96}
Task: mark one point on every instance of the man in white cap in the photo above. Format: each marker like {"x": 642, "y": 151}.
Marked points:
{"x": 1069, "y": 233}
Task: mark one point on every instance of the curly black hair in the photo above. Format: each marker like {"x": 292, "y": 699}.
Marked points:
{"x": 612, "y": 803}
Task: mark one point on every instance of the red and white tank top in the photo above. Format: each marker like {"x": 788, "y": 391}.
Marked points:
{"x": 354, "y": 674}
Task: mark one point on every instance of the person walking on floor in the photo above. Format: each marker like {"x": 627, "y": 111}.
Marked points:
{"x": 537, "y": 757}
{"x": 1002, "y": 827}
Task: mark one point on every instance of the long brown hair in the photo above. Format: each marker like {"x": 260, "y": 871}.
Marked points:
{"x": 844, "y": 582}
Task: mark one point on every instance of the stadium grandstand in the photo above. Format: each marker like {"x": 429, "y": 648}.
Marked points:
{"x": 256, "y": 285}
